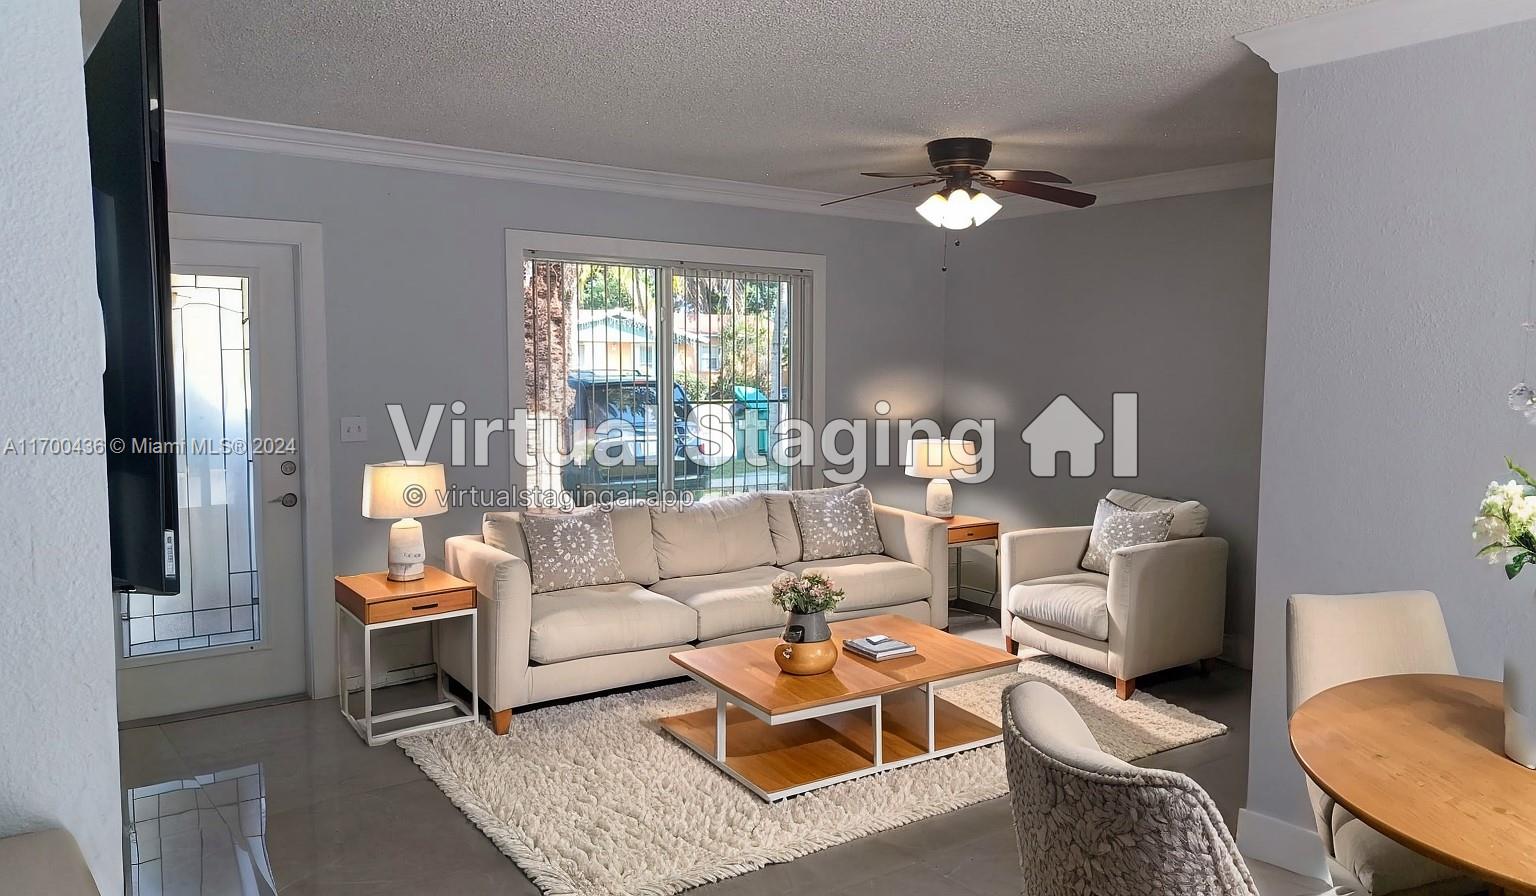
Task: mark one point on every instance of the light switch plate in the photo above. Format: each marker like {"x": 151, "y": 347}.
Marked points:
{"x": 354, "y": 429}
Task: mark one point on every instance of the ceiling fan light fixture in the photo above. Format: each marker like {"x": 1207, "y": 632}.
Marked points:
{"x": 933, "y": 209}
{"x": 957, "y": 211}
{"x": 956, "y": 208}
{"x": 983, "y": 207}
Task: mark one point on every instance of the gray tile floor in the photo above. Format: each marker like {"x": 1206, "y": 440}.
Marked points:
{"x": 334, "y": 816}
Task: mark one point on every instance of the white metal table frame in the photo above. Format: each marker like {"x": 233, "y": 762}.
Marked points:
{"x": 874, "y": 703}
{"x": 446, "y": 699}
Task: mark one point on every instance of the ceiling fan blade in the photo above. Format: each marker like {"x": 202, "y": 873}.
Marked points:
{"x": 1048, "y": 177}
{"x": 921, "y": 183}
{"x": 888, "y": 174}
{"x": 1047, "y": 192}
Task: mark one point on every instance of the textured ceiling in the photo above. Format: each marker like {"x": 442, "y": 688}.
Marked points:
{"x": 792, "y": 94}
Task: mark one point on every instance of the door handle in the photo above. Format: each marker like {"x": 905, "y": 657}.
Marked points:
{"x": 287, "y": 500}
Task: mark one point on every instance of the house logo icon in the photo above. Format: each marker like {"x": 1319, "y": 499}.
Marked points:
{"x": 1064, "y": 428}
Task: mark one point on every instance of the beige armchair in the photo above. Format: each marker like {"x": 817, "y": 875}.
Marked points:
{"x": 1334, "y": 639}
{"x": 1161, "y": 605}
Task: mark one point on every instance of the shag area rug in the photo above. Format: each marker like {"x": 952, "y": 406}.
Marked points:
{"x": 594, "y": 799}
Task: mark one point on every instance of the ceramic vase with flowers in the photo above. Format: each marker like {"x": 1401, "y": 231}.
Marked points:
{"x": 1506, "y": 526}
{"x": 807, "y": 647}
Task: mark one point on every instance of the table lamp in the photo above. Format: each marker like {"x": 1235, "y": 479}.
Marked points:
{"x": 400, "y": 490}
{"x": 939, "y": 460}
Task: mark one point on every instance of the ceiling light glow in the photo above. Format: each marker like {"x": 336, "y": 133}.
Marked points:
{"x": 957, "y": 209}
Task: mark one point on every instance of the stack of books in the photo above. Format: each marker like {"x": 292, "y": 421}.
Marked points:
{"x": 878, "y": 647}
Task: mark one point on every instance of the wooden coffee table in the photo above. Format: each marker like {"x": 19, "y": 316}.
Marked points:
{"x": 783, "y": 735}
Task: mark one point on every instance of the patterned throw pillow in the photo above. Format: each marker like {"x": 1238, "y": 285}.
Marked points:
{"x": 836, "y": 523}
{"x": 570, "y": 550}
{"x": 1114, "y": 527}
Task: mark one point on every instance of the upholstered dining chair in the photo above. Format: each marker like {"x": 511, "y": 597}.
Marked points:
{"x": 1335, "y": 639}
{"x": 1089, "y": 824}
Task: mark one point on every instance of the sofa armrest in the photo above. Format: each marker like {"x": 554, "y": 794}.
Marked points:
{"x": 922, "y": 540}
{"x": 1167, "y": 604}
{"x": 1036, "y": 553}
{"x": 504, "y": 596}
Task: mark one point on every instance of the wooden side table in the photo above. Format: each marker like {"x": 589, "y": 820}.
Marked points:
{"x": 374, "y": 602}
{"x": 971, "y": 530}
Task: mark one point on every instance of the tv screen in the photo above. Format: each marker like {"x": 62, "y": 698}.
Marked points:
{"x": 133, "y": 275}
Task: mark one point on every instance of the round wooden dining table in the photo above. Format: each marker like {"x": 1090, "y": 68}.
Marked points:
{"x": 1420, "y": 758}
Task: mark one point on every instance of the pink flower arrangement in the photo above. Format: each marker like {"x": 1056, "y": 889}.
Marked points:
{"x": 810, "y": 593}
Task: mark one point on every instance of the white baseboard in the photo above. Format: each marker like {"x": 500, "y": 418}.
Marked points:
{"x": 1268, "y": 839}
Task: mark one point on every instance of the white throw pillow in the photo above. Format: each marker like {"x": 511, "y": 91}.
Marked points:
{"x": 835, "y": 523}
{"x": 571, "y": 550}
{"x": 1115, "y": 527}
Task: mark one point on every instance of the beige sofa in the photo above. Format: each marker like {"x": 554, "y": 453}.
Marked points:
{"x": 1161, "y": 605}
{"x": 692, "y": 583}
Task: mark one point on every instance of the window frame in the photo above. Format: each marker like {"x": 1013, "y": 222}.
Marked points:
{"x": 809, "y": 399}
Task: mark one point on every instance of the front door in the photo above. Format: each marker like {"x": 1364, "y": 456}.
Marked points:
{"x": 236, "y": 631}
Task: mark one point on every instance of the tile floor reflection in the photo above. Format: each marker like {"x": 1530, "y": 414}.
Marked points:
{"x": 305, "y": 808}
{"x": 201, "y": 835}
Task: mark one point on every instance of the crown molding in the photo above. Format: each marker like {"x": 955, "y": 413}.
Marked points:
{"x": 1211, "y": 179}
{"x": 1378, "y": 26}
{"x": 339, "y": 146}
{"x": 195, "y": 129}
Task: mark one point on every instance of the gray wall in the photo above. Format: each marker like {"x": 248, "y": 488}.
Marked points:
{"x": 58, "y": 741}
{"x": 1164, "y": 298}
{"x": 1404, "y": 213}
{"x": 416, "y": 300}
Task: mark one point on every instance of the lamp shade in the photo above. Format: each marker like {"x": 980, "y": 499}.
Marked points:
{"x": 401, "y": 490}
{"x": 941, "y": 458}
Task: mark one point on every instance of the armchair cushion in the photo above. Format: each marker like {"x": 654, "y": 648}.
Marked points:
{"x": 1189, "y": 517}
{"x": 1076, "y": 602}
{"x": 1115, "y": 527}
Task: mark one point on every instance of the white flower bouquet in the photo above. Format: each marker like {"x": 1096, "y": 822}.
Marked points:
{"x": 1505, "y": 520}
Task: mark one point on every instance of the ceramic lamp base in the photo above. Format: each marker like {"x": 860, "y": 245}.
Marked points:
{"x": 407, "y": 552}
{"x": 941, "y": 499}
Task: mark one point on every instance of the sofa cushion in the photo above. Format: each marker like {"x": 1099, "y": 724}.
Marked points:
{"x": 836, "y": 524}
{"x": 632, "y": 536}
{"x": 602, "y": 619}
{"x": 871, "y": 580}
{"x": 503, "y": 530}
{"x": 717, "y": 535}
{"x": 571, "y": 550}
{"x": 727, "y": 602}
{"x": 781, "y": 520}
{"x": 1189, "y": 517}
{"x": 1077, "y": 602}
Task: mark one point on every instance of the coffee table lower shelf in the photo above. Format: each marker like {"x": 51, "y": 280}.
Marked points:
{"x": 782, "y": 756}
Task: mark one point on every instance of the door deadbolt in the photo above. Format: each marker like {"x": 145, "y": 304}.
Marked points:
{"x": 289, "y": 468}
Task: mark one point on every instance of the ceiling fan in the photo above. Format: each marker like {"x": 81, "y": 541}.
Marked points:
{"x": 960, "y": 164}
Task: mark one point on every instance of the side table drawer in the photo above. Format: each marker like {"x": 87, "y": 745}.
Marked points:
{"x": 425, "y": 605}
{"x": 973, "y": 533}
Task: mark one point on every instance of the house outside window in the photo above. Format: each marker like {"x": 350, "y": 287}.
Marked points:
{"x": 594, "y": 331}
